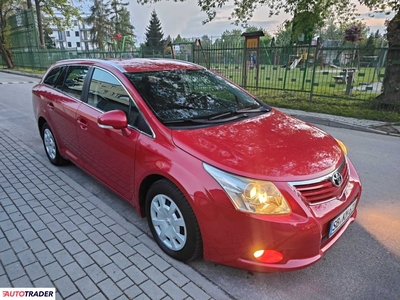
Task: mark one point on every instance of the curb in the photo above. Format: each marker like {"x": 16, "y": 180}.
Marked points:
{"x": 21, "y": 73}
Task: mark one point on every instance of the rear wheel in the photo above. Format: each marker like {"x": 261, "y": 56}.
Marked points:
{"x": 172, "y": 221}
{"x": 50, "y": 146}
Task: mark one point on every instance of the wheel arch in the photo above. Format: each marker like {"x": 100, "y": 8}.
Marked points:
{"x": 41, "y": 121}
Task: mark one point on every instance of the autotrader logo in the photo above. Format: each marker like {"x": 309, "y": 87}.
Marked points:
{"x": 28, "y": 293}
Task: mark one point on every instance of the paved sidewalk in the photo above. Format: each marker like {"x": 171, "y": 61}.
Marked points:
{"x": 54, "y": 233}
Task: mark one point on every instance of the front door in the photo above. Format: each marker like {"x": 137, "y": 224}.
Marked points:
{"x": 107, "y": 153}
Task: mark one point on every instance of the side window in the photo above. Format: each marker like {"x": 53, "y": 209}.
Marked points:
{"x": 52, "y": 77}
{"x": 74, "y": 80}
{"x": 107, "y": 93}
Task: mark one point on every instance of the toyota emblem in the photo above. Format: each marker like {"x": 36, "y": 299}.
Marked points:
{"x": 337, "y": 179}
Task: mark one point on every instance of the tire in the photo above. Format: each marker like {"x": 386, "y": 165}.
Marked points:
{"x": 50, "y": 146}
{"x": 172, "y": 221}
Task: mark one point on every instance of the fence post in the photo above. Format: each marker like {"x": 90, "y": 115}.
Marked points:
{"x": 305, "y": 66}
{"x": 313, "y": 74}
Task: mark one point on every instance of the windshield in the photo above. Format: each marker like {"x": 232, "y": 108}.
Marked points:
{"x": 181, "y": 95}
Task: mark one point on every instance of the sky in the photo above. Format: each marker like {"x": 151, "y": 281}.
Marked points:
{"x": 185, "y": 18}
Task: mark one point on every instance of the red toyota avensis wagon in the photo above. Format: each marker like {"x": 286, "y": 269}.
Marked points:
{"x": 216, "y": 172}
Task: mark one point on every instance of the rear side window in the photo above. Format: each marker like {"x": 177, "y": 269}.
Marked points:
{"x": 52, "y": 77}
{"x": 74, "y": 79}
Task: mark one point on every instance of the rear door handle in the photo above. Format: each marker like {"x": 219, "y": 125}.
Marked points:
{"x": 82, "y": 123}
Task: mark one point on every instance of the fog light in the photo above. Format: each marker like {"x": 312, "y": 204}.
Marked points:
{"x": 268, "y": 256}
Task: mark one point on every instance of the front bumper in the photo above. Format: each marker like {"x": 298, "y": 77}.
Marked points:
{"x": 231, "y": 237}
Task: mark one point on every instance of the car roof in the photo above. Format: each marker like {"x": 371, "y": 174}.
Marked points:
{"x": 136, "y": 65}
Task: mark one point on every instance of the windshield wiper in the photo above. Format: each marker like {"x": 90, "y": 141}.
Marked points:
{"x": 206, "y": 120}
{"x": 251, "y": 110}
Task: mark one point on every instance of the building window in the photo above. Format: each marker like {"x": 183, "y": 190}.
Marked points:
{"x": 68, "y": 34}
{"x": 76, "y": 33}
{"x": 78, "y": 44}
{"x": 69, "y": 44}
{"x": 76, "y": 23}
{"x": 60, "y": 35}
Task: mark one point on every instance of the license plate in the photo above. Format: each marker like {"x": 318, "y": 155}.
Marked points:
{"x": 339, "y": 221}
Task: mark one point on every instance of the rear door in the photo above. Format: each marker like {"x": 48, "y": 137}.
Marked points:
{"x": 63, "y": 101}
{"x": 107, "y": 153}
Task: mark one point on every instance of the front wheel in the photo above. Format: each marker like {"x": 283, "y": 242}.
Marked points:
{"x": 172, "y": 221}
{"x": 51, "y": 147}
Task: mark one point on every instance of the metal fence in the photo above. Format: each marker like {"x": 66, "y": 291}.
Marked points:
{"x": 325, "y": 72}
{"x": 348, "y": 78}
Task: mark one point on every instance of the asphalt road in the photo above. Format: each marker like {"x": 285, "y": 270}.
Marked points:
{"x": 364, "y": 264}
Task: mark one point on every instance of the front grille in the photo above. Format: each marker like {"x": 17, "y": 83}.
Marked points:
{"x": 322, "y": 190}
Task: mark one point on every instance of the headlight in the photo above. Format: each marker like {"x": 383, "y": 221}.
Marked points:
{"x": 344, "y": 149}
{"x": 250, "y": 195}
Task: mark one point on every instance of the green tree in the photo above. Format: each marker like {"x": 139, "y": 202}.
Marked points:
{"x": 120, "y": 20}
{"x": 154, "y": 34}
{"x": 283, "y": 36}
{"x": 7, "y": 7}
{"x": 100, "y": 22}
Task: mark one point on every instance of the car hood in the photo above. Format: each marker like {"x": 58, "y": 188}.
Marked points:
{"x": 272, "y": 146}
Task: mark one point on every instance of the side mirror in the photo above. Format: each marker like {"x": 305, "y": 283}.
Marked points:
{"x": 114, "y": 119}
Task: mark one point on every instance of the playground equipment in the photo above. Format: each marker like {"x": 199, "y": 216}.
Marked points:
{"x": 111, "y": 44}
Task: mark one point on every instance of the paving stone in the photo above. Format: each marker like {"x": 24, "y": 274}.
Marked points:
{"x": 96, "y": 237}
{"x": 65, "y": 286}
{"x": 43, "y": 282}
{"x": 16, "y": 216}
{"x": 95, "y": 273}
{"x": 69, "y": 226}
{"x": 142, "y": 297}
{"x": 155, "y": 275}
{"x": 97, "y": 213}
{"x": 107, "y": 221}
{"x": 4, "y": 281}
{"x": 22, "y": 282}
{"x": 35, "y": 271}
{"x": 123, "y": 297}
{"x": 31, "y": 216}
{"x": 135, "y": 274}
{"x": 89, "y": 246}
{"x": 8, "y": 257}
{"x": 63, "y": 257}
{"x": 45, "y": 257}
{"x": 36, "y": 245}
{"x": 54, "y": 227}
{"x": 114, "y": 272}
{"x": 151, "y": 290}
{"x": 26, "y": 257}
{"x": 110, "y": 289}
{"x": 45, "y": 235}
{"x": 133, "y": 292}
{"x": 74, "y": 271}
{"x": 54, "y": 246}
{"x": 130, "y": 239}
{"x": 98, "y": 296}
{"x": 77, "y": 219}
{"x": 38, "y": 225}
{"x": 112, "y": 238}
{"x": 101, "y": 259}
{"x": 22, "y": 225}
{"x": 120, "y": 260}
{"x": 86, "y": 228}
{"x": 14, "y": 270}
{"x": 102, "y": 229}
{"x": 79, "y": 236}
{"x": 4, "y": 244}
{"x": 125, "y": 283}
{"x": 77, "y": 296}
{"x": 2, "y": 271}
{"x": 125, "y": 249}
{"x": 86, "y": 287}
{"x": 143, "y": 250}
{"x": 63, "y": 236}
{"x": 195, "y": 292}
{"x": 173, "y": 291}
{"x": 176, "y": 277}
{"x": 108, "y": 249}
{"x": 54, "y": 270}
{"x": 13, "y": 234}
{"x": 83, "y": 259}
{"x": 139, "y": 261}
{"x": 73, "y": 247}
{"x": 29, "y": 234}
